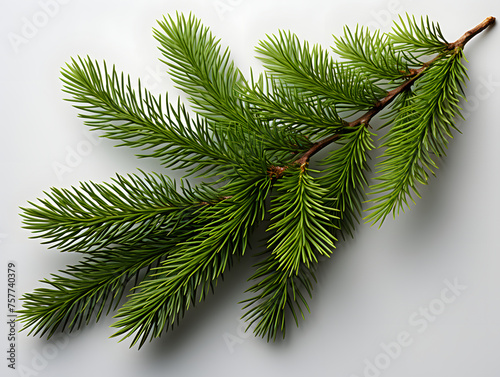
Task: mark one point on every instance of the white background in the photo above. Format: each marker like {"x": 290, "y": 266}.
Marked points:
{"x": 369, "y": 294}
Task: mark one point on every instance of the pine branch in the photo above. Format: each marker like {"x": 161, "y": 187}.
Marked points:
{"x": 415, "y": 74}
{"x": 271, "y": 100}
{"x": 424, "y": 38}
{"x": 81, "y": 293}
{"x": 300, "y": 221}
{"x": 313, "y": 72}
{"x": 372, "y": 53}
{"x": 195, "y": 265}
{"x": 202, "y": 70}
{"x": 421, "y": 128}
{"x": 344, "y": 177}
{"x": 199, "y": 67}
{"x": 125, "y": 211}
{"x": 109, "y": 103}
{"x": 256, "y": 140}
{"x": 300, "y": 236}
{"x": 276, "y": 292}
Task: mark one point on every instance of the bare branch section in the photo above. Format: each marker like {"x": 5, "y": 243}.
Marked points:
{"x": 460, "y": 42}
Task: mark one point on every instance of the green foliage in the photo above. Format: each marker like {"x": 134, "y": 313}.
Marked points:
{"x": 273, "y": 101}
{"x": 424, "y": 38}
{"x": 170, "y": 243}
{"x": 194, "y": 266}
{"x": 344, "y": 178}
{"x": 300, "y": 221}
{"x": 373, "y": 53}
{"x": 82, "y": 292}
{"x": 276, "y": 292}
{"x": 421, "y": 127}
{"x": 96, "y": 215}
{"x": 315, "y": 74}
{"x": 300, "y": 234}
{"x": 198, "y": 67}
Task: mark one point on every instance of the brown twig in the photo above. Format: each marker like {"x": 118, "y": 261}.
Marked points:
{"x": 460, "y": 42}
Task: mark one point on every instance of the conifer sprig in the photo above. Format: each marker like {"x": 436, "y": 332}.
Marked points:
{"x": 418, "y": 38}
{"x": 300, "y": 221}
{"x": 86, "y": 291}
{"x": 344, "y": 177}
{"x": 199, "y": 66}
{"x": 374, "y": 53}
{"x": 255, "y": 139}
{"x": 300, "y": 229}
{"x": 196, "y": 264}
{"x": 276, "y": 292}
{"x": 110, "y": 104}
{"x": 421, "y": 130}
{"x": 313, "y": 72}
{"x": 127, "y": 210}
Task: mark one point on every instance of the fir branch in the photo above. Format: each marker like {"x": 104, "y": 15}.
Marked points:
{"x": 202, "y": 70}
{"x": 300, "y": 221}
{"x": 125, "y": 211}
{"x": 344, "y": 177}
{"x": 424, "y": 38}
{"x": 299, "y": 225}
{"x": 109, "y": 103}
{"x": 276, "y": 292}
{"x": 81, "y": 293}
{"x": 406, "y": 85}
{"x": 372, "y": 53}
{"x": 199, "y": 67}
{"x": 314, "y": 72}
{"x": 253, "y": 137}
{"x": 421, "y": 128}
{"x": 195, "y": 266}
{"x": 272, "y": 100}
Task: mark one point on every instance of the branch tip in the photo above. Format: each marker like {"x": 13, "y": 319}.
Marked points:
{"x": 468, "y": 35}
